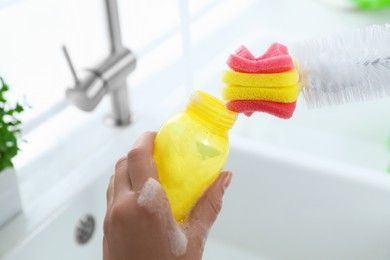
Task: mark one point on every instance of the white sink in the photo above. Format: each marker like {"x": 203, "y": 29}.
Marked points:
{"x": 287, "y": 205}
{"x": 281, "y": 205}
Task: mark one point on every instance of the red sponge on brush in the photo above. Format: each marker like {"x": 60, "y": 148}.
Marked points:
{"x": 248, "y": 107}
{"x": 275, "y": 59}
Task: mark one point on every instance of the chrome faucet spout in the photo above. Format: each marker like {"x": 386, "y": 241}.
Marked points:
{"x": 109, "y": 77}
{"x": 114, "y": 25}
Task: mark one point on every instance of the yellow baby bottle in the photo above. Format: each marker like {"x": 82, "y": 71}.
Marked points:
{"x": 191, "y": 149}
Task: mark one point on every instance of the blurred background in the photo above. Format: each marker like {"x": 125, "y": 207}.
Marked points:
{"x": 182, "y": 46}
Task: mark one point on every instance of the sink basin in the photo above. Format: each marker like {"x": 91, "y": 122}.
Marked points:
{"x": 281, "y": 205}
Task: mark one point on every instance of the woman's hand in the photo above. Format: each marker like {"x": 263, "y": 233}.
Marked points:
{"x": 139, "y": 223}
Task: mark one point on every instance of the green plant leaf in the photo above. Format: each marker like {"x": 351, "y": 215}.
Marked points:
{"x": 5, "y": 164}
{"x": 19, "y": 108}
{"x": 15, "y": 122}
{"x": 4, "y": 86}
{"x": 9, "y": 128}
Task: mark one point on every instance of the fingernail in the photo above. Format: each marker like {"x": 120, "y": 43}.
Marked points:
{"x": 226, "y": 181}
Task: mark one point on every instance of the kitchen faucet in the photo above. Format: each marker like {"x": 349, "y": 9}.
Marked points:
{"x": 109, "y": 77}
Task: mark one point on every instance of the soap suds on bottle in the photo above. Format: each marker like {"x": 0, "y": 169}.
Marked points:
{"x": 153, "y": 200}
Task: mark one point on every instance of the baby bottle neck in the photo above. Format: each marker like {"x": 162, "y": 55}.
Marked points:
{"x": 211, "y": 111}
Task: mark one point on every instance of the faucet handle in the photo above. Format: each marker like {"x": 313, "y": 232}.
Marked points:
{"x": 71, "y": 67}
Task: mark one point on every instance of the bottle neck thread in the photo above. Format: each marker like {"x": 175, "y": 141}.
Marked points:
{"x": 211, "y": 111}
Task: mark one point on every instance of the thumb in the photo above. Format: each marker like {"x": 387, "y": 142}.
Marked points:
{"x": 206, "y": 210}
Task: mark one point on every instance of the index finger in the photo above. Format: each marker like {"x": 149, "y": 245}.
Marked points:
{"x": 141, "y": 165}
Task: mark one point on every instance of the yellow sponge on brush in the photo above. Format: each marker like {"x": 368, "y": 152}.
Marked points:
{"x": 275, "y": 94}
{"x": 283, "y": 79}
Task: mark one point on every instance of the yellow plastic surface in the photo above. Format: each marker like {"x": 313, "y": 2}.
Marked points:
{"x": 188, "y": 158}
{"x": 282, "y": 79}
{"x": 276, "y": 94}
{"x": 191, "y": 149}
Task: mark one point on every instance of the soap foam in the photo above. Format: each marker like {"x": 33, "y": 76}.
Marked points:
{"x": 150, "y": 196}
{"x": 153, "y": 199}
{"x": 177, "y": 240}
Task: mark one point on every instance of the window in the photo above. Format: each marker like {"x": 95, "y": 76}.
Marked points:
{"x": 32, "y": 34}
